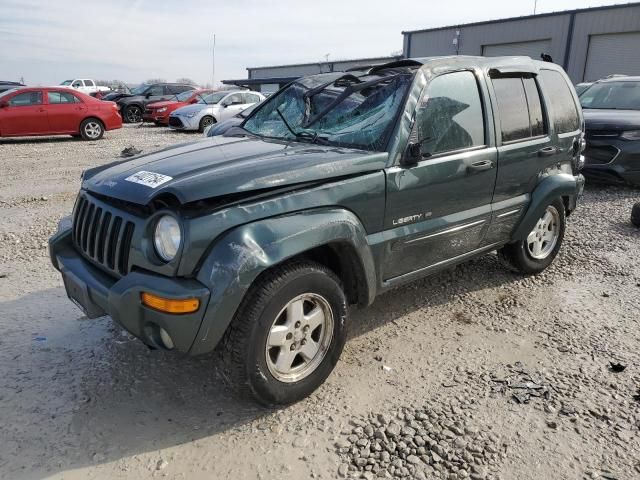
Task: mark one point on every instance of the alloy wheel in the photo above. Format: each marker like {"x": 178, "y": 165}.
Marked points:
{"x": 134, "y": 115}
{"x": 544, "y": 236}
{"x": 93, "y": 130}
{"x": 299, "y": 338}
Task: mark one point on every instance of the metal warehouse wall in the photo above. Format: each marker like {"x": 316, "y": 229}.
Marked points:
{"x": 597, "y": 22}
{"x": 557, "y": 29}
{"x": 312, "y": 68}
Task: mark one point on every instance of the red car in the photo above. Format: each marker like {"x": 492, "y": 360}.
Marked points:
{"x": 55, "y": 111}
{"x": 158, "y": 112}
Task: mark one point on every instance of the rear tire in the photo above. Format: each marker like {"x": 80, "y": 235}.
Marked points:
{"x": 91, "y": 129}
{"x": 205, "y": 122}
{"x": 287, "y": 334}
{"x": 537, "y": 251}
{"x": 133, "y": 114}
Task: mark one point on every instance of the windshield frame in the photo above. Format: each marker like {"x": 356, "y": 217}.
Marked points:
{"x": 385, "y": 142}
{"x": 612, "y": 84}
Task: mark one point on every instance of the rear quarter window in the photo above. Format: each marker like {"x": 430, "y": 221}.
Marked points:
{"x": 559, "y": 99}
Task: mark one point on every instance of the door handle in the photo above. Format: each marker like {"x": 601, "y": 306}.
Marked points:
{"x": 547, "y": 151}
{"x": 480, "y": 166}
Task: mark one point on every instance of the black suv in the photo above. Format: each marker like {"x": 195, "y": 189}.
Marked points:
{"x": 338, "y": 187}
{"x": 132, "y": 105}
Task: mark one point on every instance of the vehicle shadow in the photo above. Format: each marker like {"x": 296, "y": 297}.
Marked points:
{"x": 81, "y": 392}
{"x": 37, "y": 140}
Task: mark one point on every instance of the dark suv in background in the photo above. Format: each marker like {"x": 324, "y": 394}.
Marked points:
{"x": 337, "y": 188}
{"x": 612, "y": 121}
{"x": 132, "y": 105}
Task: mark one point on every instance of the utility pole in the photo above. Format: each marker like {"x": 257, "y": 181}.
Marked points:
{"x": 213, "y": 63}
{"x": 535, "y": 6}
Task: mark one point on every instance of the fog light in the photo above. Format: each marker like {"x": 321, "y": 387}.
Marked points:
{"x": 166, "y": 339}
{"x": 170, "y": 305}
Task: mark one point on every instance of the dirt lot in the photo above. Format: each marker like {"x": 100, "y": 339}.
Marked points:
{"x": 473, "y": 373}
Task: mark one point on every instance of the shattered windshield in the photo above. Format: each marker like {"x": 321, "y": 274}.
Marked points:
{"x": 334, "y": 109}
{"x": 184, "y": 96}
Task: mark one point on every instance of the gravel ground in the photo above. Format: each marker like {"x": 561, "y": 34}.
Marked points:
{"x": 473, "y": 373}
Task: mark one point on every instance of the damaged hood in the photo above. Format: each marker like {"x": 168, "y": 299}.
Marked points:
{"x": 604, "y": 119}
{"x": 219, "y": 166}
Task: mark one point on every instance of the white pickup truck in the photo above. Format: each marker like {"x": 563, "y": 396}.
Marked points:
{"x": 85, "y": 85}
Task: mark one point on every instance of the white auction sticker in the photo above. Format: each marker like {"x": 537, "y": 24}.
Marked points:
{"x": 149, "y": 179}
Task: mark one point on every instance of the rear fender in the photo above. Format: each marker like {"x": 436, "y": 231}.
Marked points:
{"x": 548, "y": 190}
{"x": 240, "y": 255}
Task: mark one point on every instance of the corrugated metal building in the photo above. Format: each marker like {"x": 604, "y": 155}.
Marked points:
{"x": 270, "y": 79}
{"x": 589, "y": 43}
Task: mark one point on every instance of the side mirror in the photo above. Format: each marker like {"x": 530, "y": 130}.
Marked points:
{"x": 412, "y": 155}
{"x": 224, "y": 105}
{"x": 4, "y": 104}
{"x": 147, "y": 95}
{"x": 195, "y": 100}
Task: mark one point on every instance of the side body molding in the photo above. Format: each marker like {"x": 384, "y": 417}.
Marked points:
{"x": 549, "y": 189}
{"x": 241, "y": 254}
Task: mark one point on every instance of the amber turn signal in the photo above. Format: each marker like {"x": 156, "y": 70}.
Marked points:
{"x": 170, "y": 305}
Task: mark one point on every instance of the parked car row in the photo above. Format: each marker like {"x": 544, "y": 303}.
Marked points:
{"x": 27, "y": 111}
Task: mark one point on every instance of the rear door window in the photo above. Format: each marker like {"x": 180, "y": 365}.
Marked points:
{"x": 520, "y": 108}
{"x": 560, "y": 99}
{"x": 25, "y": 99}
{"x": 55, "y": 98}
{"x": 449, "y": 115}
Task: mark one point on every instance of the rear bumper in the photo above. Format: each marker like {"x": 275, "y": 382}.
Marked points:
{"x": 98, "y": 294}
{"x": 113, "y": 122}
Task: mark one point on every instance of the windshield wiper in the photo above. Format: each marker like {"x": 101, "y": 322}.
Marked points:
{"x": 312, "y": 136}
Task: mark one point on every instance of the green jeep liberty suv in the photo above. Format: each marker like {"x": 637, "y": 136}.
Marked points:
{"x": 337, "y": 188}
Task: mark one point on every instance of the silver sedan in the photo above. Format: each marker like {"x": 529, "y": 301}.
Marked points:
{"x": 212, "y": 108}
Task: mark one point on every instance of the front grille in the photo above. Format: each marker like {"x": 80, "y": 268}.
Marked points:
{"x": 600, "y": 155}
{"x": 175, "y": 122}
{"x": 102, "y": 234}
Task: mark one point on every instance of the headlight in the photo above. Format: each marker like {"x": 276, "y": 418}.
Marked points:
{"x": 167, "y": 237}
{"x": 190, "y": 115}
{"x": 163, "y": 109}
{"x": 630, "y": 135}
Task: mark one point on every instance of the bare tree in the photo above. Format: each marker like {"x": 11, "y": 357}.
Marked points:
{"x": 156, "y": 80}
{"x": 187, "y": 81}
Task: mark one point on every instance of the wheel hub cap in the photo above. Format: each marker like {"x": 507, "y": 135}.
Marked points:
{"x": 544, "y": 236}
{"x": 299, "y": 338}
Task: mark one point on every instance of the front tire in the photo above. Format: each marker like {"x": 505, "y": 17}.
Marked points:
{"x": 91, "y": 129}
{"x": 205, "y": 122}
{"x": 287, "y": 334}
{"x": 537, "y": 251}
{"x": 133, "y": 114}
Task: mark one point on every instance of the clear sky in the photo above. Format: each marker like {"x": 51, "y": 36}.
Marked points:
{"x": 48, "y": 41}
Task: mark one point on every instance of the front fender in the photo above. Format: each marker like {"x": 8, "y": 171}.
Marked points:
{"x": 548, "y": 190}
{"x": 240, "y": 255}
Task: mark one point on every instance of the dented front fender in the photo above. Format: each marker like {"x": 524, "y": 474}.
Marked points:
{"x": 239, "y": 256}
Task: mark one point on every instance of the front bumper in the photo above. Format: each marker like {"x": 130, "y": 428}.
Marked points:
{"x": 152, "y": 116}
{"x": 613, "y": 161}
{"x": 184, "y": 123}
{"x": 98, "y": 294}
